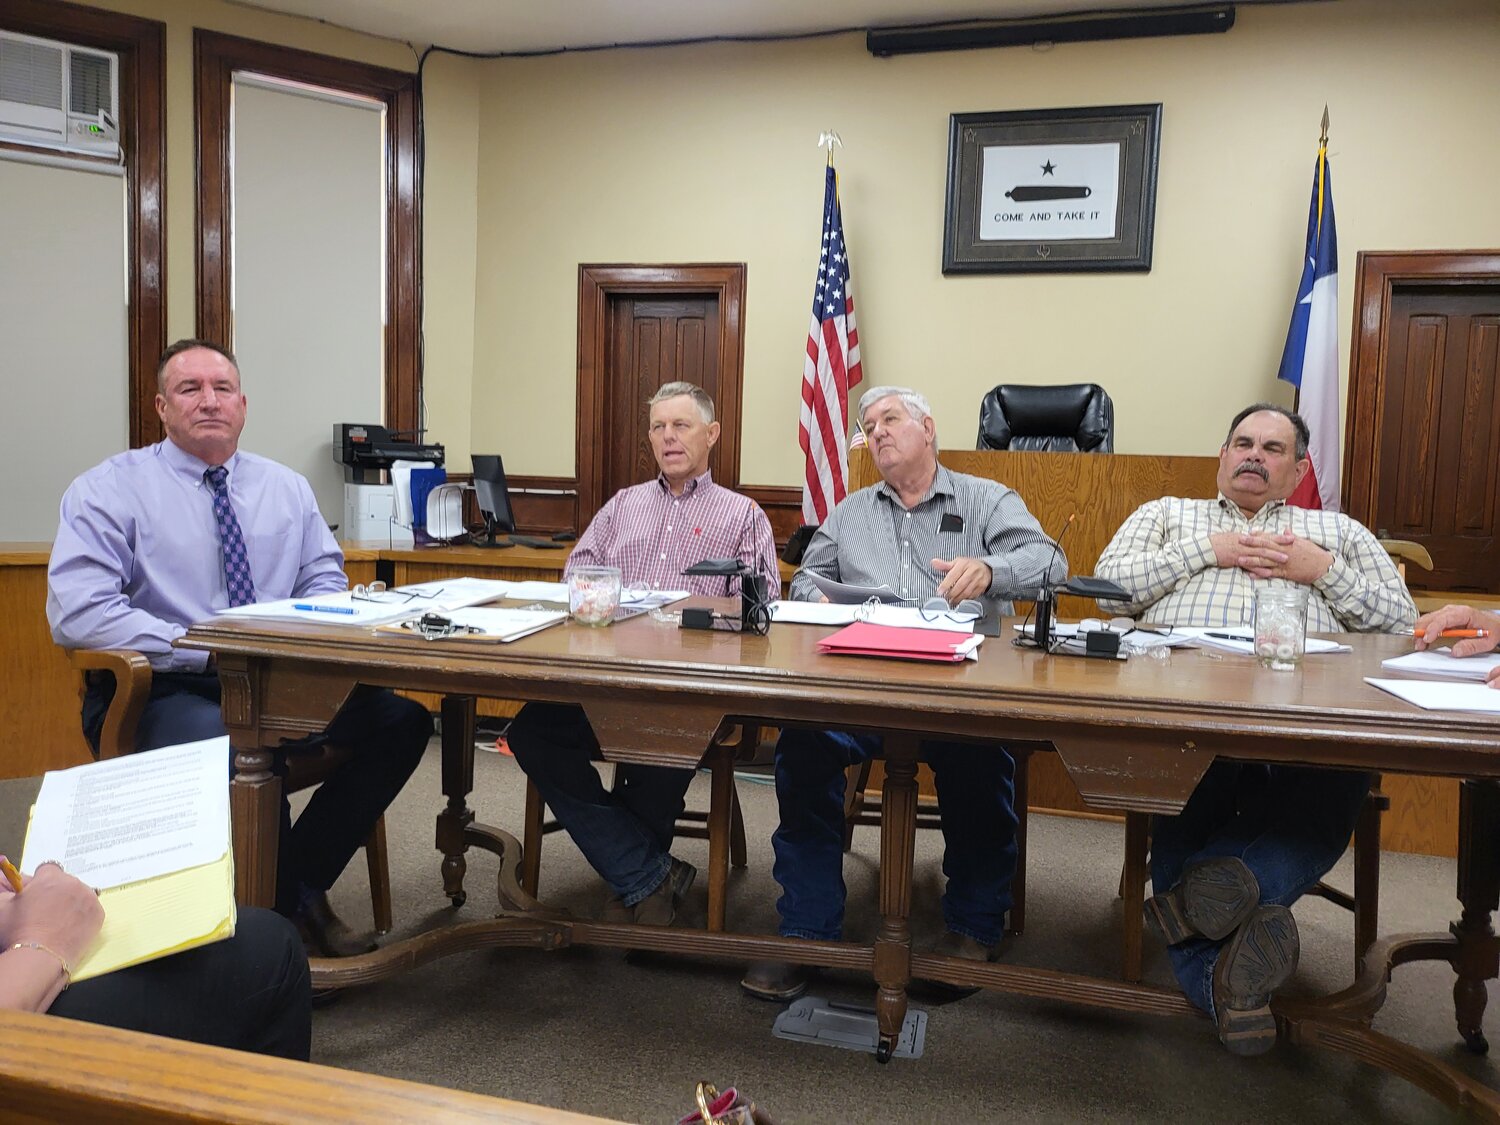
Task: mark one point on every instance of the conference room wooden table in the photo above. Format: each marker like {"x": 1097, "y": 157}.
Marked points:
{"x": 1133, "y": 735}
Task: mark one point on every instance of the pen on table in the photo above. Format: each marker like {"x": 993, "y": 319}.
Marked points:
{"x": 1457, "y": 634}
{"x": 11, "y": 874}
{"x": 1229, "y": 637}
{"x": 306, "y": 608}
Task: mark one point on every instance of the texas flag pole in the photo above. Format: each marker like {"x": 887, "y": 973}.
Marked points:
{"x": 1310, "y": 361}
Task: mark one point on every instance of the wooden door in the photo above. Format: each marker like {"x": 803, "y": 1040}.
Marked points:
{"x": 639, "y": 327}
{"x": 1423, "y": 459}
{"x": 653, "y": 340}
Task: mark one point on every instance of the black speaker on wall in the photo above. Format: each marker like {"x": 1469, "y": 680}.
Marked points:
{"x": 1143, "y": 23}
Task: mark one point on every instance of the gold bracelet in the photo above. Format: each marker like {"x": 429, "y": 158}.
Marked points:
{"x": 61, "y": 960}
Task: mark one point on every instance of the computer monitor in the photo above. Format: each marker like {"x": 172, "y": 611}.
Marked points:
{"x": 494, "y": 498}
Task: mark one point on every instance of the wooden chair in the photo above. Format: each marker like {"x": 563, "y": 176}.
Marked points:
{"x": 723, "y": 825}
{"x": 132, "y": 675}
{"x": 1364, "y": 903}
{"x": 861, "y": 808}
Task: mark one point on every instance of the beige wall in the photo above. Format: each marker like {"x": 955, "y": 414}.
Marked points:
{"x": 451, "y": 194}
{"x": 708, "y": 154}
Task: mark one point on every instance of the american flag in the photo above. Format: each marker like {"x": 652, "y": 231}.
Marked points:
{"x": 832, "y": 367}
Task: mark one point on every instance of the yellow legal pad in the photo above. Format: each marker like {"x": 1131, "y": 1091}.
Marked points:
{"x": 160, "y": 916}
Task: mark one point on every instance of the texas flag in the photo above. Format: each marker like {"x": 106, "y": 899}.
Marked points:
{"x": 1310, "y": 361}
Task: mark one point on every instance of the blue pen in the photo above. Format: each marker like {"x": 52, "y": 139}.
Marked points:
{"x": 349, "y": 609}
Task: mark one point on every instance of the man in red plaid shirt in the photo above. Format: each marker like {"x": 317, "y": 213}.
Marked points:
{"x": 652, "y": 532}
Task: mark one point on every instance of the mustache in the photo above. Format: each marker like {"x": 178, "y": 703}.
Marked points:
{"x": 1253, "y": 467}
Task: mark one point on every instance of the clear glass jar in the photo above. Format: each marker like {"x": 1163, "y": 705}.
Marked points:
{"x": 1281, "y": 626}
{"x": 594, "y": 594}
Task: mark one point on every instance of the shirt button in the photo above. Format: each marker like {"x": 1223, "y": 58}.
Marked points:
{"x": 664, "y": 557}
{"x": 669, "y": 527}
{"x": 908, "y": 515}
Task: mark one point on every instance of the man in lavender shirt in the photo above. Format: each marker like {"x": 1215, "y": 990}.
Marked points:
{"x": 652, "y": 532}
{"x": 141, "y": 554}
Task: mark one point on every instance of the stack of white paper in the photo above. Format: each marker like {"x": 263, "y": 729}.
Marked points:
{"x": 1439, "y": 695}
{"x": 1440, "y": 662}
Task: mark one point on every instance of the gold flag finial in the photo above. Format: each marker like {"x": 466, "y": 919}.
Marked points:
{"x": 829, "y": 139}
{"x": 1323, "y": 139}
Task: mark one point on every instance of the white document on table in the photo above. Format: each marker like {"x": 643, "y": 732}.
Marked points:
{"x": 539, "y": 591}
{"x": 1441, "y": 695}
{"x": 1241, "y": 640}
{"x": 126, "y": 819}
{"x": 1440, "y": 662}
{"x": 814, "y": 613}
{"x": 845, "y": 594}
{"x": 447, "y": 593}
{"x": 493, "y": 623}
{"x": 341, "y": 608}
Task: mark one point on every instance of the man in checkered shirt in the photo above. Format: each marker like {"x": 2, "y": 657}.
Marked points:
{"x": 652, "y": 532}
{"x": 1253, "y": 837}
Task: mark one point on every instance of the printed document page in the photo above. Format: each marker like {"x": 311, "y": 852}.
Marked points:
{"x": 132, "y": 818}
{"x": 1440, "y": 662}
{"x": 1439, "y": 695}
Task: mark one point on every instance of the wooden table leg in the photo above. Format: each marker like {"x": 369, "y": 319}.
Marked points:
{"x": 254, "y": 793}
{"x": 458, "y": 713}
{"x": 1477, "y": 959}
{"x": 898, "y": 836}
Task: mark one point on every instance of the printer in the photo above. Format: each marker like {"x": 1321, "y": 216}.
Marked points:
{"x": 367, "y": 451}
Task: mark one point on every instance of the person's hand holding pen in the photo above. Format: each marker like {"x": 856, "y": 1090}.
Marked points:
{"x": 45, "y": 928}
{"x": 1473, "y": 631}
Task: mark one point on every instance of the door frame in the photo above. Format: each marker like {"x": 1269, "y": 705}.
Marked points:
{"x": 216, "y": 59}
{"x": 597, "y": 284}
{"x": 1377, "y": 274}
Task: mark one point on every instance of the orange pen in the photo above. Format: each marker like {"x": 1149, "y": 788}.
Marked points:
{"x": 11, "y": 874}
{"x": 1458, "y": 634}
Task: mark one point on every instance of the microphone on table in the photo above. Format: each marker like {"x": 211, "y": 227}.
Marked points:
{"x": 1045, "y": 603}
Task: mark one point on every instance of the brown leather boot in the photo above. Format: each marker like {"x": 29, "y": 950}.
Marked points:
{"x": 325, "y": 932}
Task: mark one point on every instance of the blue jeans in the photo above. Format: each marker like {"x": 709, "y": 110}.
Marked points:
{"x": 625, "y": 835}
{"x": 975, "y": 787}
{"x": 1289, "y": 824}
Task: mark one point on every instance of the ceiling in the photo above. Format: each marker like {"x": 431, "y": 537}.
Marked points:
{"x": 490, "y": 26}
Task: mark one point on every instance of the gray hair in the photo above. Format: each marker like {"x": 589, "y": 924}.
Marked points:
{"x": 692, "y": 390}
{"x": 1299, "y": 427}
{"x": 916, "y": 405}
{"x": 186, "y": 346}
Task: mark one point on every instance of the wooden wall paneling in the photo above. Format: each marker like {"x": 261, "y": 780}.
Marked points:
{"x": 782, "y": 505}
{"x": 39, "y": 724}
{"x": 141, "y": 45}
{"x": 216, "y": 59}
{"x": 1423, "y": 816}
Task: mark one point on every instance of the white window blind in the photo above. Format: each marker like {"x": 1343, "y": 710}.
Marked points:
{"x": 64, "y": 339}
{"x": 309, "y": 272}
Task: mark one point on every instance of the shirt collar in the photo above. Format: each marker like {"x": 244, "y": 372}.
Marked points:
{"x": 1266, "y": 508}
{"x": 703, "y": 480}
{"x": 184, "y": 463}
{"x": 942, "y": 485}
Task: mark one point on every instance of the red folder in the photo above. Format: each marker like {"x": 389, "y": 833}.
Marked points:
{"x": 865, "y": 639}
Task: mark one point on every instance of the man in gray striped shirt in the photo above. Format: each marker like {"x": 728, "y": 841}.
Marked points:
{"x": 924, "y": 531}
{"x": 1252, "y": 838}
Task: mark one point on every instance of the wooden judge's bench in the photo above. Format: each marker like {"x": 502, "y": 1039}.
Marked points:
{"x": 39, "y": 691}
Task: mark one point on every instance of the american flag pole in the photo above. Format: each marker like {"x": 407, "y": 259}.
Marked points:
{"x": 832, "y": 364}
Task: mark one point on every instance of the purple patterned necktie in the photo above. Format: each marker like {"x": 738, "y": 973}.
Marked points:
{"x": 236, "y": 562}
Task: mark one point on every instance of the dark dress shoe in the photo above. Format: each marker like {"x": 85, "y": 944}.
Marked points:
{"x": 326, "y": 933}
{"x": 775, "y": 980}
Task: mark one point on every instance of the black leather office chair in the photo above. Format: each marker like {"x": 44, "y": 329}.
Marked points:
{"x": 1077, "y": 418}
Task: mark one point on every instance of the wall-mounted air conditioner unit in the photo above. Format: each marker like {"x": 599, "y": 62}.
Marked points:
{"x": 60, "y": 97}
